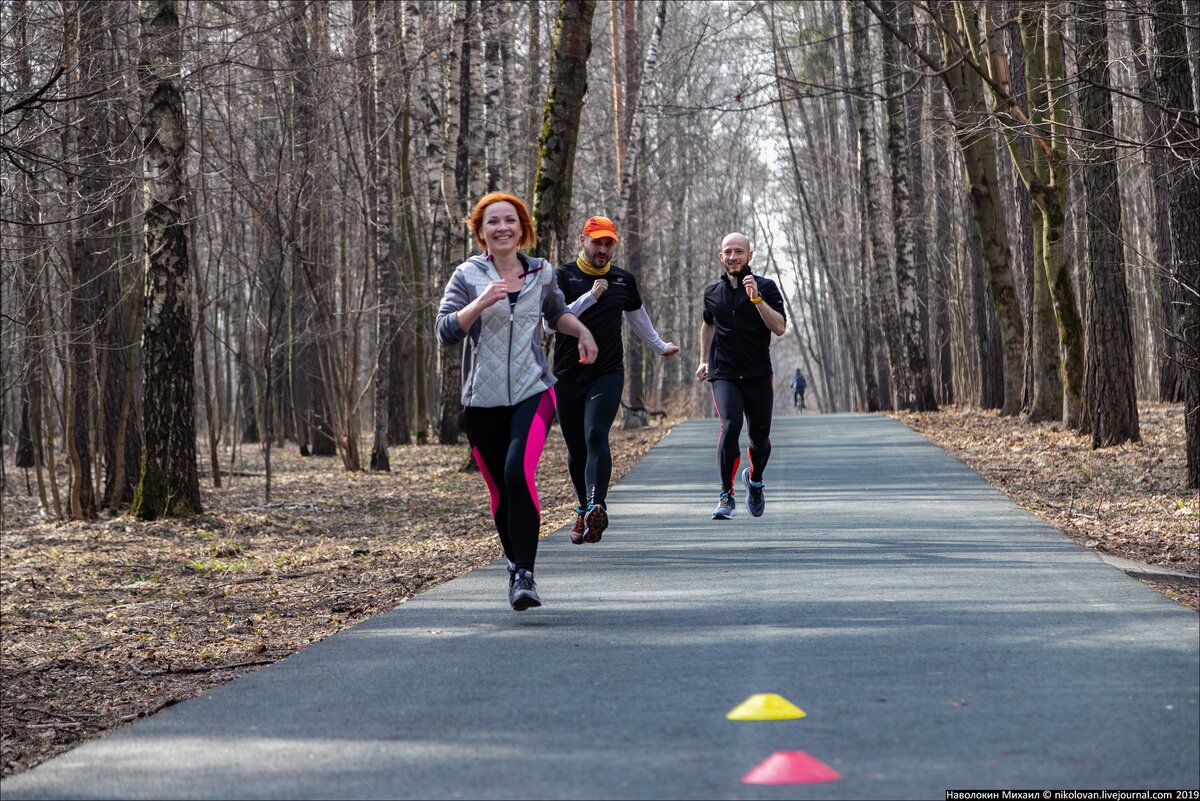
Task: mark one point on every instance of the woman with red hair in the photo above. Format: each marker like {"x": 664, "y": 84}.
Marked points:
{"x": 494, "y": 303}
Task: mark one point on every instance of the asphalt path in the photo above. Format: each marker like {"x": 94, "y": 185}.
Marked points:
{"x": 936, "y": 635}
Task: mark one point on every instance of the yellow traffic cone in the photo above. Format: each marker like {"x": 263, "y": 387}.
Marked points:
{"x": 765, "y": 706}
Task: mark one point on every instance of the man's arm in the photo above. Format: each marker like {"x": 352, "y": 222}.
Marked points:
{"x": 639, "y": 324}
{"x": 707, "y": 331}
{"x": 773, "y": 319}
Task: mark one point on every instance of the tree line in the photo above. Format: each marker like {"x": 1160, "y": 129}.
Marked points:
{"x": 227, "y": 224}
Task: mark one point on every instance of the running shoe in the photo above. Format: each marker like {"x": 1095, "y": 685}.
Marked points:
{"x": 726, "y": 508}
{"x": 522, "y": 590}
{"x": 578, "y": 529}
{"x": 756, "y": 504}
{"x": 594, "y": 523}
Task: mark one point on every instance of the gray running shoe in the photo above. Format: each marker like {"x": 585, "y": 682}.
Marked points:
{"x": 522, "y": 590}
{"x": 726, "y": 507}
{"x": 756, "y": 504}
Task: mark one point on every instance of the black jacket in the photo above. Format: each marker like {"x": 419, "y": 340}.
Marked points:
{"x": 741, "y": 345}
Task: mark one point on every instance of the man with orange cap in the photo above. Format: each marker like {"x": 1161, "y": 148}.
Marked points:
{"x": 589, "y": 395}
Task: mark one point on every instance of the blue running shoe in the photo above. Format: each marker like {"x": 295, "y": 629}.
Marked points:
{"x": 594, "y": 523}
{"x": 756, "y": 504}
{"x": 726, "y": 508}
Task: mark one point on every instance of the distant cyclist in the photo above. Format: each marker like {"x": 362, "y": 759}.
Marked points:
{"x": 798, "y": 385}
{"x": 741, "y": 312}
{"x": 589, "y": 395}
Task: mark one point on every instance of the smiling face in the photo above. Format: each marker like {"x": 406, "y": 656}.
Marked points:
{"x": 735, "y": 253}
{"x": 598, "y": 252}
{"x": 500, "y": 228}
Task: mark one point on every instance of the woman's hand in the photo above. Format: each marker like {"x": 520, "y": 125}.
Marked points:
{"x": 469, "y": 314}
{"x": 494, "y": 292}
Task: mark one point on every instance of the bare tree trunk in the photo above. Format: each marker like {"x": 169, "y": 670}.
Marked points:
{"x": 1045, "y": 172}
{"x": 918, "y": 387}
{"x": 33, "y": 377}
{"x": 407, "y": 251}
{"x": 169, "y": 484}
{"x": 491, "y": 24}
{"x": 635, "y": 415}
{"x": 1173, "y": 78}
{"x": 883, "y": 276}
{"x": 1110, "y": 395}
{"x": 374, "y": 220}
{"x": 534, "y": 95}
{"x": 90, "y": 254}
{"x": 615, "y": 35}
{"x": 108, "y": 129}
{"x": 866, "y": 353}
{"x": 1170, "y": 384}
{"x": 1046, "y": 175}
{"x": 560, "y": 127}
{"x": 979, "y": 157}
{"x": 634, "y": 81}
{"x": 915, "y": 109}
{"x": 455, "y": 186}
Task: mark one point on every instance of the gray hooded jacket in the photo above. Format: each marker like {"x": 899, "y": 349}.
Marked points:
{"x": 503, "y": 359}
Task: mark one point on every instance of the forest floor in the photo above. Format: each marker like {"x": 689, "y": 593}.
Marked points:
{"x": 106, "y": 622}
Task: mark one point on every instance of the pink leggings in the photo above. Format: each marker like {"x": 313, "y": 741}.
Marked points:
{"x": 507, "y": 442}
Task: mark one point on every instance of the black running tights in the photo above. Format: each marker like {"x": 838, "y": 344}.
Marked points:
{"x": 507, "y": 443}
{"x": 752, "y": 397}
{"x": 586, "y": 413}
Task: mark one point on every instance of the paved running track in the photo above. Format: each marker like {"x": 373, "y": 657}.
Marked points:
{"x": 937, "y": 635}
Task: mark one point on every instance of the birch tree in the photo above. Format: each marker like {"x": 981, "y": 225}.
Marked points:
{"x": 918, "y": 384}
{"x": 168, "y": 483}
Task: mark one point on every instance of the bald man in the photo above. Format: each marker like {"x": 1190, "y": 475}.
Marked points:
{"x": 741, "y": 313}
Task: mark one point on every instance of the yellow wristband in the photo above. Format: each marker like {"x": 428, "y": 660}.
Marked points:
{"x": 756, "y": 299}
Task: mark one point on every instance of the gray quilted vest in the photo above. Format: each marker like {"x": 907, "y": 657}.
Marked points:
{"x": 503, "y": 359}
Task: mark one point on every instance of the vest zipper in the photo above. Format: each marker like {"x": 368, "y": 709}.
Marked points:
{"x": 512, "y": 307}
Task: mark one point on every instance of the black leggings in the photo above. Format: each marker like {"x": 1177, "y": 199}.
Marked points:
{"x": 507, "y": 442}
{"x": 754, "y": 398}
{"x": 586, "y": 413}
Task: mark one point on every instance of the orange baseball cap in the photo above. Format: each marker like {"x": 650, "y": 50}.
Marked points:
{"x": 600, "y": 228}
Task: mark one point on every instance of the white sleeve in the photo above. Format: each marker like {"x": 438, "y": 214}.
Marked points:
{"x": 639, "y": 323}
{"x": 575, "y": 307}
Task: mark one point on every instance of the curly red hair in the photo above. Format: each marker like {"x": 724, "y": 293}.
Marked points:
{"x": 474, "y": 220}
